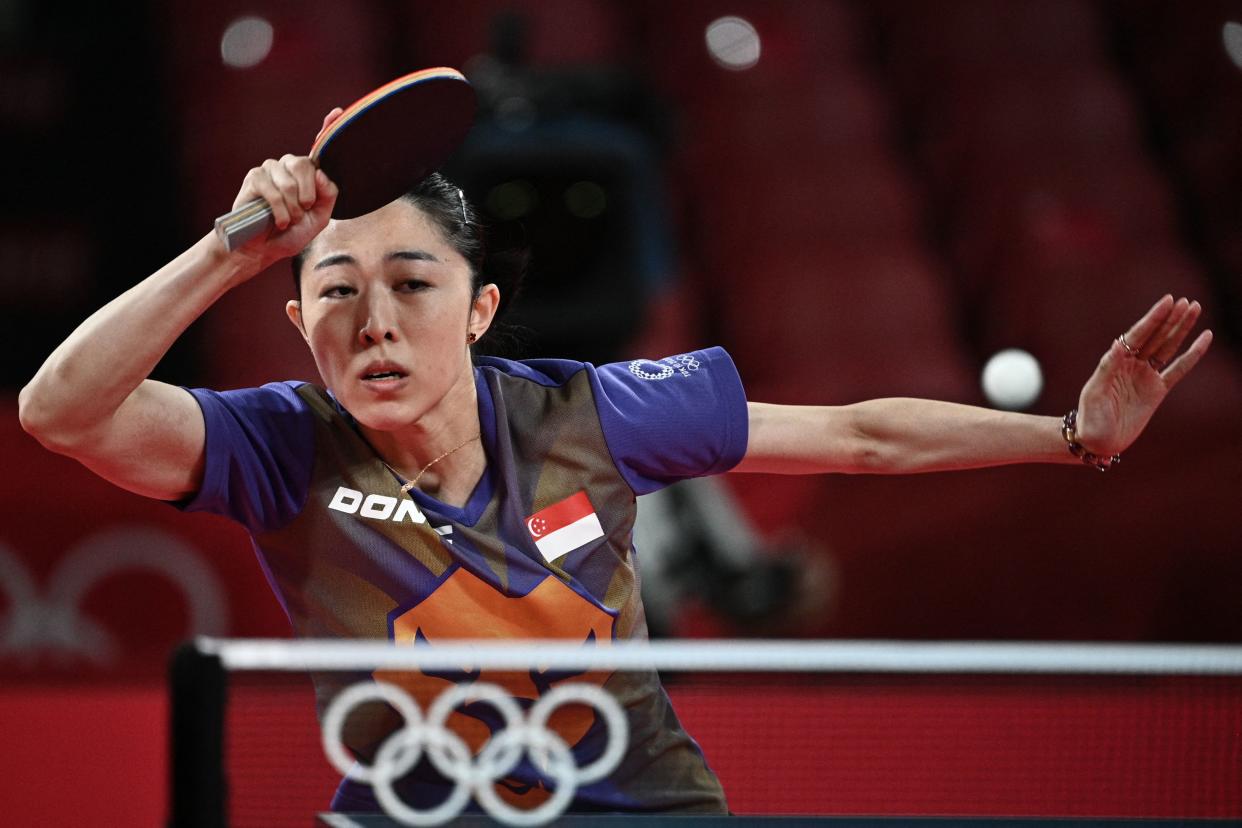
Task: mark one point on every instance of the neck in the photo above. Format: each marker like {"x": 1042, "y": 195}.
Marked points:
{"x": 440, "y": 445}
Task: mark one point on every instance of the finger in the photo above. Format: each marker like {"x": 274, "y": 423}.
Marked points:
{"x": 1142, "y": 330}
{"x": 303, "y": 171}
{"x": 1161, "y": 334}
{"x": 259, "y": 182}
{"x": 328, "y": 119}
{"x": 326, "y": 192}
{"x": 1181, "y": 366}
{"x": 1172, "y": 342}
{"x": 325, "y": 187}
{"x": 288, "y": 187}
{"x": 1116, "y": 353}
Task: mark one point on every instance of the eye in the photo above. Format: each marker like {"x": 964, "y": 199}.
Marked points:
{"x": 337, "y": 292}
{"x": 412, "y": 285}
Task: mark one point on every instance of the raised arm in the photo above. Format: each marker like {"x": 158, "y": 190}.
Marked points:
{"x": 896, "y": 436}
{"x": 91, "y": 400}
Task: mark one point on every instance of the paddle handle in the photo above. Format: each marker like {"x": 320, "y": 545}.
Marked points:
{"x": 239, "y": 226}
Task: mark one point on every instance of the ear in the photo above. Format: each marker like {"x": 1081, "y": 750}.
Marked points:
{"x": 293, "y": 310}
{"x": 483, "y": 310}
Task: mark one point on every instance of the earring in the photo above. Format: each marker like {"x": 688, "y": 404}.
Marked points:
{"x": 470, "y": 338}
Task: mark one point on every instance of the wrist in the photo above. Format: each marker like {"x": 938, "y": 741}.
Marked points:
{"x": 1069, "y": 433}
{"x": 234, "y": 267}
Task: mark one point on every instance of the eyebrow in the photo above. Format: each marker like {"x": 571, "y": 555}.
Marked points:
{"x": 396, "y": 255}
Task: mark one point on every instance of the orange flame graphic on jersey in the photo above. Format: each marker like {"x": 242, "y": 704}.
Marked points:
{"x": 465, "y": 606}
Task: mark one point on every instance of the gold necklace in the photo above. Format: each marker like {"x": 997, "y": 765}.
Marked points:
{"x": 405, "y": 487}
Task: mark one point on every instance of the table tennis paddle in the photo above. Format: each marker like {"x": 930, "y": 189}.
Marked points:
{"x": 381, "y": 145}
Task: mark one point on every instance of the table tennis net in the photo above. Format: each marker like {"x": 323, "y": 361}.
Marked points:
{"x": 790, "y": 728}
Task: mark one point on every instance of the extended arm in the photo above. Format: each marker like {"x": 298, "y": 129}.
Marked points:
{"x": 894, "y": 436}
{"x": 91, "y": 400}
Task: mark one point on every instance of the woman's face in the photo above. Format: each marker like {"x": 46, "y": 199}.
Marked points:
{"x": 386, "y": 307}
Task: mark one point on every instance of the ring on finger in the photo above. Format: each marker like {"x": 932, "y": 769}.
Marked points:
{"x": 1131, "y": 351}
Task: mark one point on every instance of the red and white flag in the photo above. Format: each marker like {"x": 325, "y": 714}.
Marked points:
{"x": 564, "y": 526}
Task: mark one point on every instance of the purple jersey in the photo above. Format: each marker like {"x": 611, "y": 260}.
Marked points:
{"x": 542, "y": 548}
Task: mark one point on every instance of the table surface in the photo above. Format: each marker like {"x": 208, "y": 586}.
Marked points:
{"x": 585, "y": 820}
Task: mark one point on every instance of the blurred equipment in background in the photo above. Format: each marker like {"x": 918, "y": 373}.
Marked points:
{"x": 695, "y": 544}
{"x": 568, "y": 161}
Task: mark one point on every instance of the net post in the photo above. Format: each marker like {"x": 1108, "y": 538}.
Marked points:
{"x": 197, "y": 685}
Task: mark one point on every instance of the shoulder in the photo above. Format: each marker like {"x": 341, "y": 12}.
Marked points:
{"x": 550, "y": 373}
{"x": 682, "y": 380}
{"x": 278, "y": 408}
{"x": 714, "y": 363}
{"x": 259, "y": 451}
{"x": 662, "y": 420}
{"x": 291, "y": 395}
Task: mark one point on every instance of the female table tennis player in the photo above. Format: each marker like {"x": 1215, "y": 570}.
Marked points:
{"x": 420, "y": 494}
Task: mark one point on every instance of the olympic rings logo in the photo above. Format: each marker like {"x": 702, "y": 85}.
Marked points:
{"x": 685, "y": 364}
{"x": 50, "y": 621}
{"x": 639, "y": 369}
{"x": 451, "y": 756}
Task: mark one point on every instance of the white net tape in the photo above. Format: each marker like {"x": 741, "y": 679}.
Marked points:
{"x": 729, "y": 656}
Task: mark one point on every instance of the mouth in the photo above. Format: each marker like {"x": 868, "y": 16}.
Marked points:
{"x": 383, "y": 372}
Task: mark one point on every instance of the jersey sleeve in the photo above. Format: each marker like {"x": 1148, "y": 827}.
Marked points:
{"x": 671, "y": 419}
{"x": 259, "y": 455}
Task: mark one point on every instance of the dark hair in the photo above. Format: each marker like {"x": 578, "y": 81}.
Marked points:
{"x": 448, "y": 208}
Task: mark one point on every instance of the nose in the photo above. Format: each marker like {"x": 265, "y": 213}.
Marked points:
{"x": 380, "y": 320}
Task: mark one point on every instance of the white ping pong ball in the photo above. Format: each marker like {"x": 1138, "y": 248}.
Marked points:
{"x": 1012, "y": 379}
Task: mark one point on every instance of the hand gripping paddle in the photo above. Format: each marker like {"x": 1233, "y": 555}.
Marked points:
{"x": 381, "y": 145}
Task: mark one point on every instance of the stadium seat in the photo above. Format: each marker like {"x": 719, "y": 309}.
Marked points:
{"x": 556, "y": 32}
{"x": 1046, "y": 208}
{"x": 839, "y": 324}
{"x": 1082, "y": 110}
{"x": 789, "y": 205}
{"x": 845, "y": 111}
{"x": 930, "y": 44}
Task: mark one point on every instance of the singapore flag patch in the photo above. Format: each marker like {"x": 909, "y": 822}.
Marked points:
{"x": 564, "y": 526}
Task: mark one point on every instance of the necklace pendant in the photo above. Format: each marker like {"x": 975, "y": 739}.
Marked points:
{"x": 405, "y": 487}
